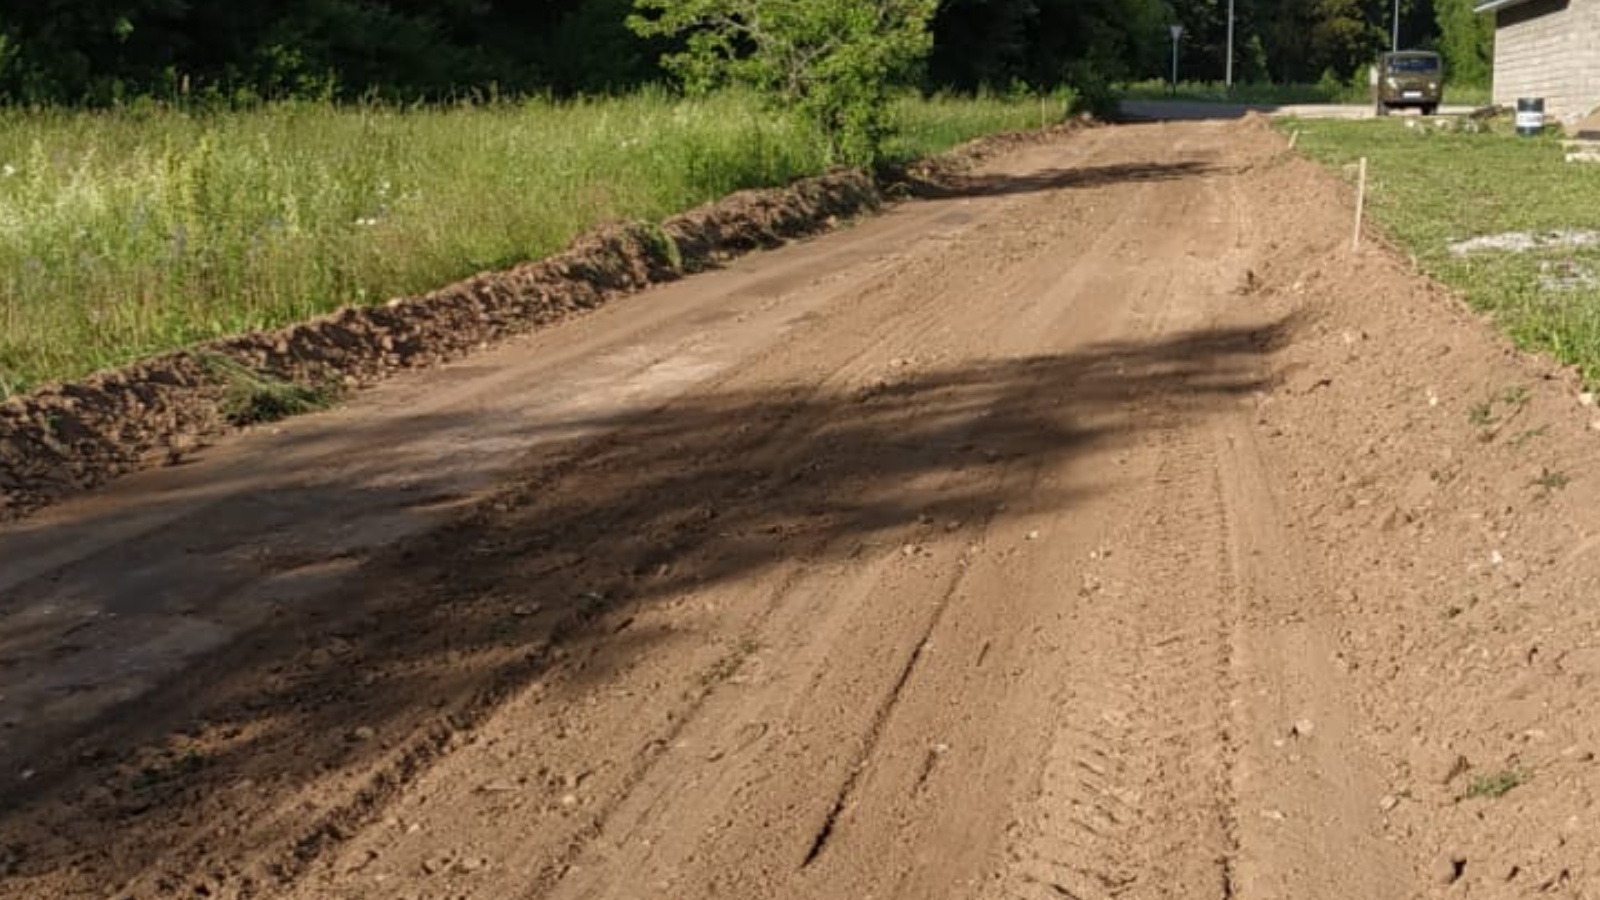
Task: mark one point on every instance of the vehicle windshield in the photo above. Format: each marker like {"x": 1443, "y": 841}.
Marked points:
{"x": 1414, "y": 64}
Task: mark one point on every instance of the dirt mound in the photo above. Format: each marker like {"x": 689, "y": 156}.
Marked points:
{"x": 1448, "y": 478}
{"x": 65, "y": 438}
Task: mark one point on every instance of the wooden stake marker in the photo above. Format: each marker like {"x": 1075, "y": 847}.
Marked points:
{"x": 1361, "y": 203}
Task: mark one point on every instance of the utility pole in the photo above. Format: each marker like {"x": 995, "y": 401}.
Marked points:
{"x": 1396, "y": 47}
{"x": 1177, "y": 32}
{"x": 1228, "y": 77}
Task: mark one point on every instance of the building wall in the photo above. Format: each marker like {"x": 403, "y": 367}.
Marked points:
{"x": 1549, "y": 49}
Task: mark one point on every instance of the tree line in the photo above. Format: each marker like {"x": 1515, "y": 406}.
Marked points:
{"x": 100, "y": 52}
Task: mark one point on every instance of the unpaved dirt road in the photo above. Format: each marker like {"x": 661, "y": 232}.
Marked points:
{"x": 1104, "y": 529}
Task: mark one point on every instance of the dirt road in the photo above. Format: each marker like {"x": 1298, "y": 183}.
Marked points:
{"x": 1104, "y": 529}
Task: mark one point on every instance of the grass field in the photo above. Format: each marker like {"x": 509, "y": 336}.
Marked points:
{"x": 1434, "y": 190}
{"x": 123, "y": 234}
{"x": 1280, "y": 94}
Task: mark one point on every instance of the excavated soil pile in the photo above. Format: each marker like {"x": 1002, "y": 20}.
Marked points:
{"x": 66, "y": 438}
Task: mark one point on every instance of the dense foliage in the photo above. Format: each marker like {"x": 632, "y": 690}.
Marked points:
{"x": 102, "y": 51}
{"x": 837, "y": 62}
{"x": 108, "y": 51}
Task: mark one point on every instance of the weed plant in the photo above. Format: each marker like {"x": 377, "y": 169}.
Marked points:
{"x": 134, "y": 231}
{"x": 1496, "y": 785}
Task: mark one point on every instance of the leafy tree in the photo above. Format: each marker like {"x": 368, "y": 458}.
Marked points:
{"x": 1466, "y": 40}
{"x": 831, "y": 59}
{"x": 590, "y": 49}
{"x": 835, "y": 61}
{"x": 983, "y": 43}
{"x": 1088, "y": 41}
{"x": 7, "y": 52}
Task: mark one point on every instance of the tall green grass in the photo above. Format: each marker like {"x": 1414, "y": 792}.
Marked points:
{"x": 1432, "y": 189}
{"x": 925, "y": 126}
{"x": 131, "y": 232}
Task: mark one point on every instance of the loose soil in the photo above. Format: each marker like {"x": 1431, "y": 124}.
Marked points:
{"x": 1103, "y": 526}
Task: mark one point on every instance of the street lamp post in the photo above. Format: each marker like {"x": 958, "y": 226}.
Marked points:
{"x": 1396, "y": 47}
{"x": 1177, "y": 32}
{"x": 1227, "y": 78}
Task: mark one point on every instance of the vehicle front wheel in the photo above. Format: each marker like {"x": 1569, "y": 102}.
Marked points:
{"x": 1431, "y": 109}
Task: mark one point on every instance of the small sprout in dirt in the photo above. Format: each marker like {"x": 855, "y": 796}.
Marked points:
{"x": 1549, "y": 481}
{"x": 1529, "y": 435}
{"x": 155, "y": 775}
{"x": 1497, "y": 785}
{"x": 254, "y": 397}
{"x": 1515, "y": 396}
{"x": 1485, "y": 415}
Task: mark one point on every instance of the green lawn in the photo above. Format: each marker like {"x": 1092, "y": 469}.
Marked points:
{"x": 1281, "y": 94}
{"x": 1432, "y": 189}
{"x": 127, "y": 233}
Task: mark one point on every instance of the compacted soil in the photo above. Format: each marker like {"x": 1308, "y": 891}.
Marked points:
{"x": 1105, "y": 526}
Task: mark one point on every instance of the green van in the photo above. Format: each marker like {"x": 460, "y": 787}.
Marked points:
{"x": 1408, "y": 78}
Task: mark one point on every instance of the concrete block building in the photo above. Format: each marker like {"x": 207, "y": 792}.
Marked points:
{"x": 1548, "y": 49}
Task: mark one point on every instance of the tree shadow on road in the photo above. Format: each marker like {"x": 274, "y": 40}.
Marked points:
{"x": 947, "y": 186}
{"x": 425, "y": 640}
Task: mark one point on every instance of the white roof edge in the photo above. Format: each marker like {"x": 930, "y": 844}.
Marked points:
{"x": 1487, "y": 6}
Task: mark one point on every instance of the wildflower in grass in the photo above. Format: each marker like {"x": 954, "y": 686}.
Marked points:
{"x": 7, "y": 170}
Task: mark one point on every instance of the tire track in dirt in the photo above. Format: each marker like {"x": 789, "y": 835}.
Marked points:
{"x": 1305, "y": 799}
{"x": 915, "y": 768}
{"x": 1135, "y": 797}
{"x": 910, "y": 338}
{"x": 907, "y": 330}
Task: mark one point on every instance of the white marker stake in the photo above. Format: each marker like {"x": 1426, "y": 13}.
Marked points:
{"x": 1361, "y": 202}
